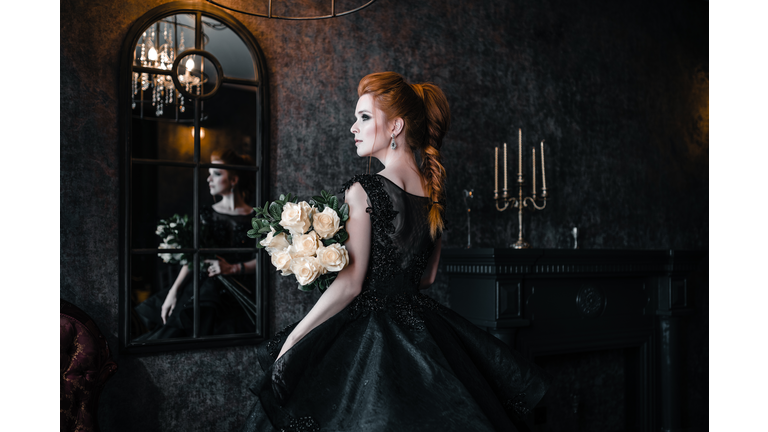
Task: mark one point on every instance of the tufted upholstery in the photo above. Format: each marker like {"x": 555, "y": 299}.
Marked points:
{"x": 85, "y": 366}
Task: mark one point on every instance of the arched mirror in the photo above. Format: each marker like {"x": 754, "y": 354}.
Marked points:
{"x": 194, "y": 119}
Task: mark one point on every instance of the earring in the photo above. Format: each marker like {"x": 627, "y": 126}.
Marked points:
{"x": 393, "y": 144}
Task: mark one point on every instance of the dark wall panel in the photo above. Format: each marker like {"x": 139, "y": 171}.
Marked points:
{"x": 619, "y": 91}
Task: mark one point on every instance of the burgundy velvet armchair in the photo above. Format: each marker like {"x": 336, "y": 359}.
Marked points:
{"x": 84, "y": 369}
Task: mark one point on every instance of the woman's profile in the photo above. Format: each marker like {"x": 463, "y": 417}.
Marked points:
{"x": 374, "y": 353}
{"x": 169, "y": 313}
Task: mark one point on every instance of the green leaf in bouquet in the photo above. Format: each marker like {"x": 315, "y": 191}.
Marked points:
{"x": 334, "y": 203}
{"x": 255, "y": 223}
{"x": 307, "y": 288}
{"x": 318, "y": 198}
{"x": 320, "y": 282}
{"x": 328, "y": 242}
{"x": 275, "y": 210}
{"x": 341, "y": 236}
{"x": 258, "y": 245}
{"x": 344, "y": 212}
{"x": 254, "y": 233}
{"x": 325, "y": 194}
{"x": 265, "y": 230}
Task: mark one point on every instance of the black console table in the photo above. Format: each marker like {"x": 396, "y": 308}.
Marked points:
{"x": 552, "y": 301}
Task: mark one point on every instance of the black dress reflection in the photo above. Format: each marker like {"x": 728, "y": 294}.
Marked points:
{"x": 219, "y": 311}
{"x": 394, "y": 359}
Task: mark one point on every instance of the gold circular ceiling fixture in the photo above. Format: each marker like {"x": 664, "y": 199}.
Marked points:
{"x": 269, "y": 13}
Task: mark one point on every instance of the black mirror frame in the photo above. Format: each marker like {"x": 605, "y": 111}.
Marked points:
{"x": 262, "y": 190}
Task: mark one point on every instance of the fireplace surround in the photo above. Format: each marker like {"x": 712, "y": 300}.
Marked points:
{"x": 556, "y": 306}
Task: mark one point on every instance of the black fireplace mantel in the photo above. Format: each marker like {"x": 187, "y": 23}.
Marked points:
{"x": 552, "y": 301}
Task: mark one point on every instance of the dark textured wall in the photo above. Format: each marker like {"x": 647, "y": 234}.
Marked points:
{"x": 619, "y": 90}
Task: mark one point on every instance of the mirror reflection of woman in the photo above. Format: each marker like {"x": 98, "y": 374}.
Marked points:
{"x": 224, "y": 224}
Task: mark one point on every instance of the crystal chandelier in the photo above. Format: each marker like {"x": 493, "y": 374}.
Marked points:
{"x": 162, "y": 57}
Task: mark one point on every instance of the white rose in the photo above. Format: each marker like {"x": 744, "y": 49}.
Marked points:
{"x": 305, "y": 245}
{"x": 159, "y": 230}
{"x": 326, "y": 223}
{"x": 282, "y": 261}
{"x": 172, "y": 225}
{"x": 306, "y": 269}
{"x": 295, "y": 217}
{"x": 274, "y": 243}
{"x": 165, "y": 256}
{"x": 166, "y": 245}
{"x": 333, "y": 258}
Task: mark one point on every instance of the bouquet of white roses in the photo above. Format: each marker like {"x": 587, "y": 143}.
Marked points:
{"x": 304, "y": 238}
{"x": 176, "y": 232}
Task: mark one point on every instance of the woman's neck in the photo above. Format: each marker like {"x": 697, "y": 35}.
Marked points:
{"x": 403, "y": 171}
{"x": 398, "y": 160}
{"x": 232, "y": 203}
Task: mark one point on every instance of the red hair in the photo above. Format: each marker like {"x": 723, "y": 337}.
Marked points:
{"x": 425, "y": 111}
{"x": 247, "y": 183}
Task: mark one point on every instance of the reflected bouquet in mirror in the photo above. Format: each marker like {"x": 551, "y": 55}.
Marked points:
{"x": 176, "y": 232}
{"x": 304, "y": 239}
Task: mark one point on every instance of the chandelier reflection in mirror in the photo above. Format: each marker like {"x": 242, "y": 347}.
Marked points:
{"x": 273, "y": 9}
{"x": 191, "y": 80}
{"x": 150, "y": 53}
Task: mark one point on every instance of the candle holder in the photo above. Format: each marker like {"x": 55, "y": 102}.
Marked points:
{"x": 520, "y": 202}
{"x": 468, "y": 195}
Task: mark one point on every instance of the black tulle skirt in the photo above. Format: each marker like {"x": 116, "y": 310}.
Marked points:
{"x": 394, "y": 363}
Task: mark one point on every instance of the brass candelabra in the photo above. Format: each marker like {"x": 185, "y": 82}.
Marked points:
{"x": 519, "y": 201}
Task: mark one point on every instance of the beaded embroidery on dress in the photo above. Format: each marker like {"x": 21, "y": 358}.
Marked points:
{"x": 394, "y": 359}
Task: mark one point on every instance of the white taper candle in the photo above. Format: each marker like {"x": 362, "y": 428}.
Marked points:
{"x": 543, "y": 173}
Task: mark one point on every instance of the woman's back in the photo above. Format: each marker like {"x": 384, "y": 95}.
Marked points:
{"x": 401, "y": 243}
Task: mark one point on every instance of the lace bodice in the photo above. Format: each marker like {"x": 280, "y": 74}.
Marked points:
{"x": 400, "y": 239}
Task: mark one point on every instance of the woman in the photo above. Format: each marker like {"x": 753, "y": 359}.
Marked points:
{"x": 374, "y": 354}
{"x": 169, "y": 313}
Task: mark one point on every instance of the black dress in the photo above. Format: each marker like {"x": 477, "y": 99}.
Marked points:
{"x": 394, "y": 359}
{"x": 220, "y": 313}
